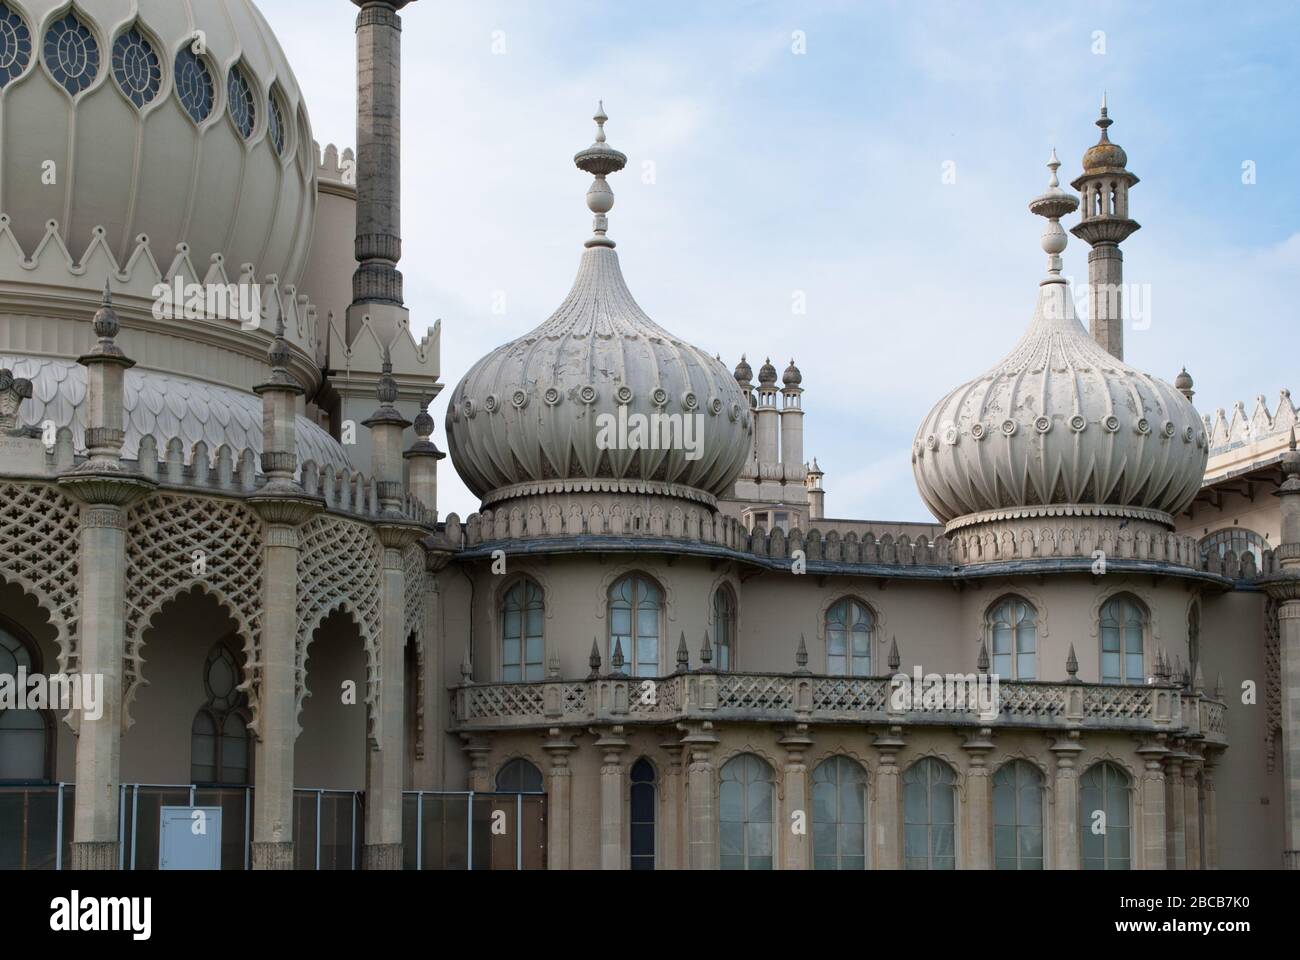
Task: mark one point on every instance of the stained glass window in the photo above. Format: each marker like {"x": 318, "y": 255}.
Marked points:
{"x": 275, "y": 123}
{"x": 136, "y": 67}
{"x": 15, "y": 45}
{"x": 243, "y": 107}
{"x": 71, "y": 53}
{"x": 194, "y": 85}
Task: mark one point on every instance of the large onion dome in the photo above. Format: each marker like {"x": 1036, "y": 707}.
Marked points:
{"x": 1059, "y": 427}
{"x": 535, "y": 415}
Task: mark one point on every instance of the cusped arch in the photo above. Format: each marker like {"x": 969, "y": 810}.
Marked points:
{"x": 371, "y": 647}
{"x": 625, "y": 569}
{"x": 1143, "y": 596}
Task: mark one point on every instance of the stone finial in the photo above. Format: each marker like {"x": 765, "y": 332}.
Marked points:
{"x": 982, "y": 661}
{"x": 801, "y": 656}
{"x": 466, "y": 670}
{"x": 13, "y": 391}
{"x": 1218, "y": 687}
{"x": 616, "y": 659}
{"x": 1053, "y": 204}
{"x": 600, "y": 160}
{"x": 424, "y": 427}
{"x": 1072, "y": 665}
{"x": 553, "y": 666}
{"x": 706, "y": 653}
{"x": 683, "y": 655}
{"x": 895, "y": 661}
{"x": 1198, "y": 681}
{"x": 593, "y": 661}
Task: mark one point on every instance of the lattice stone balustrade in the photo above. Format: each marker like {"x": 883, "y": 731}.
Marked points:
{"x": 799, "y": 698}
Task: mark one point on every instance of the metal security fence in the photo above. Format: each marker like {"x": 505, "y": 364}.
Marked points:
{"x": 440, "y": 830}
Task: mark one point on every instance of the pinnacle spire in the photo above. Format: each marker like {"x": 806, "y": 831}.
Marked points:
{"x": 600, "y": 160}
{"x": 1053, "y": 204}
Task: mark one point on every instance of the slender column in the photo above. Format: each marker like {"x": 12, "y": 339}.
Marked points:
{"x": 1192, "y": 810}
{"x": 1211, "y": 813}
{"x": 889, "y": 821}
{"x": 979, "y": 801}
{"x": 702, "y": 844}
{"x": 1065, "y": 819}
{"x": 613, "y": 786}
{"x": 559, "y": 799}
{"x": 796, "y": 850}
{"x": 1175, "y": 825}
{"x": 477, "y": 750}
{"x": 1154, "y": 831}
{"x": 670, "y": 808}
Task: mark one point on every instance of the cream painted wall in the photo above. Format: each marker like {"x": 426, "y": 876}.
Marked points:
{"x": 331, "y": 750}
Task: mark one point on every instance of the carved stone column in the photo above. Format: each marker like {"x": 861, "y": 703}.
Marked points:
{"x": 1210, "y": 854}
{"x": 979, "y": 801}
{"x": 1175, "y": 811}
{"x": 671, "y": 845}
{"x": 1065, "y": 814}
{"x": 613, "y": 785}
{"x": 796, "y": 849}
{"x": 480, "y": 779}
{"x": 702, "y": 835}
{"x": 1192, "y": 808}
{"x": 559, "y": 799}
{"x": 1155, "y": 853}
{"x": 889, "y": 820}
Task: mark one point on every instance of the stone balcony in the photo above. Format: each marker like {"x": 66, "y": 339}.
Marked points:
{"x": 775, "y": 698}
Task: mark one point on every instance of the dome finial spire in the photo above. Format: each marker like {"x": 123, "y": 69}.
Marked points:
{"x": 1104, "y": 120}
{"x": 600, "y": 160}
{"x": 1053, "y": 204}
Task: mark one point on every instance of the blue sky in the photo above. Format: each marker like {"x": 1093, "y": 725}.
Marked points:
{"x": 821, "y": 172}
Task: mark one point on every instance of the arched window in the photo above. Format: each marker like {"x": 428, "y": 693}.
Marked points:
{"x": 1239, "y": 540}
{"x": 1018, "y": 817}
{"x": 1122, "y": 626}
{"x": 724, "y": 628}
{"x": 136, "y": 67}
{"x": 642, "y": 817}
{"x": 839, "y": 815}
{"x": 522, "y": 648}
{"x": 71, "y": 53}
{"x": 745, "y": 816}
{"x": 219, "y": 742}
{"x": 26, "y": 736}
{"x": 240, "y": 101}
{"x": 1013, "y": 632}
{"x": 929, "y": 816}
{"x": 194, "y": 84}
{"x": 635, "y": 618}
{"x": 849, "y": 629}
{"x": 275, "y": 123}
{"x": 15, "y": 45}
{"x": 1104, "y": 831}
{"x": 519, "y": 776}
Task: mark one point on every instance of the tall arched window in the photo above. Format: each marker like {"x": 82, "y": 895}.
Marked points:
{"x": 849, "y": 629}
{"x": 929, "y": 816}
{"x": 519, "y": 776}
{"x": 1193, "y": 637}
{"x": 724, "y": 628}
{"x": 1104, "y": 831}
{"x": 219, "y": 741}
{"x": 642, "y": 817}
{"x": 1122, "y": 626}
{"x": 839, "y": 815}
{"x": 1018, "y": 817}
{"x": 635, "y": 619}
{"x": 26, "y": 736}
{"x": 1013, "y": 631}
{"x": 522, "y": 647}
{"x": 745, "y": 814}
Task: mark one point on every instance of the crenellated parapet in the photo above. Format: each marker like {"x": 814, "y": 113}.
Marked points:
{"x": 1226, "y": 432}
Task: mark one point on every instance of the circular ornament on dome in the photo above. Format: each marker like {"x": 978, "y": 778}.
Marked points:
{"x": 490, "y": 403}
{"x": 689, "y": 400}
{"x": 1043, "y": 424}
{"x": 587, "y": 393}
{"x": 551, "y": 397}
{"x": 136, "y": 67}
{"x": 950, "y": 435}
{"x": 659, "y": 397}
{"x": 734, "y": 412}
{"x": 1008, "y": 428}
{"x": 1110, "y": 424}
{"x": 932, "y": 442}
{"x": 242, "y": 106}
{"x": 71, "y": 53}
{"x": 15, "y": 45}
{"x": 715, "y": 405}
{"x": 623, "y": 394}
{"x": 467, "y": 408}
{"x": 519, "y": 399}
{"x": 1188, "y": 434}
{"x": 977, "y": 431}
{"x": 194, "y": 85}
{"x": 1078, "y": 423}
{"x": 1143, "y": 426}
{"x": 1169, "y": 429}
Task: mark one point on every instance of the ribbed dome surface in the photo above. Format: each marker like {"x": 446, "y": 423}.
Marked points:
{"x": 1060, "y": 422}
{"x": 525, "y": 417}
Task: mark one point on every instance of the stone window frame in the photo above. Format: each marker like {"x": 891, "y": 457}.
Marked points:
{"x": 1144, "y": 609}
{"x": 873, "y": 638}
{"x": 230, "y": 644}
{"x": 655, "y": 783}
{"x": 1084, "y": 825}
{"x": 990, "y": 610}
{"x": 503, "y": 594}
{"x": 1044, "y": 822}
{"x": 774, "y": 803}
{"x": 629, "y": 656}
{"x": 725, "y": 591}
{"x": 866, "y": 808}
{"x": 28, "y": 643}
{"x": 955, "y": 787}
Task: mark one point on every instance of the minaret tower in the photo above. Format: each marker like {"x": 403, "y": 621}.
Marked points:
{"x": 1104, "y": 185}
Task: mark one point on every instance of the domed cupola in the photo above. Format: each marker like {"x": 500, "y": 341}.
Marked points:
{"x": 599, "y": 399}
{"x": 1059, "y": 428}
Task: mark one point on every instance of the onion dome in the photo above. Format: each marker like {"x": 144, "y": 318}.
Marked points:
{"x": 559, "y": 409}
{"x": 744, "y": 372}
{"x": 792, "y": 377}
{"x": 1104, "y": 155}
{"x": 1059, "y": 427}
{"x": 1183, "y": 384}
{"x": 767, "y": 373}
